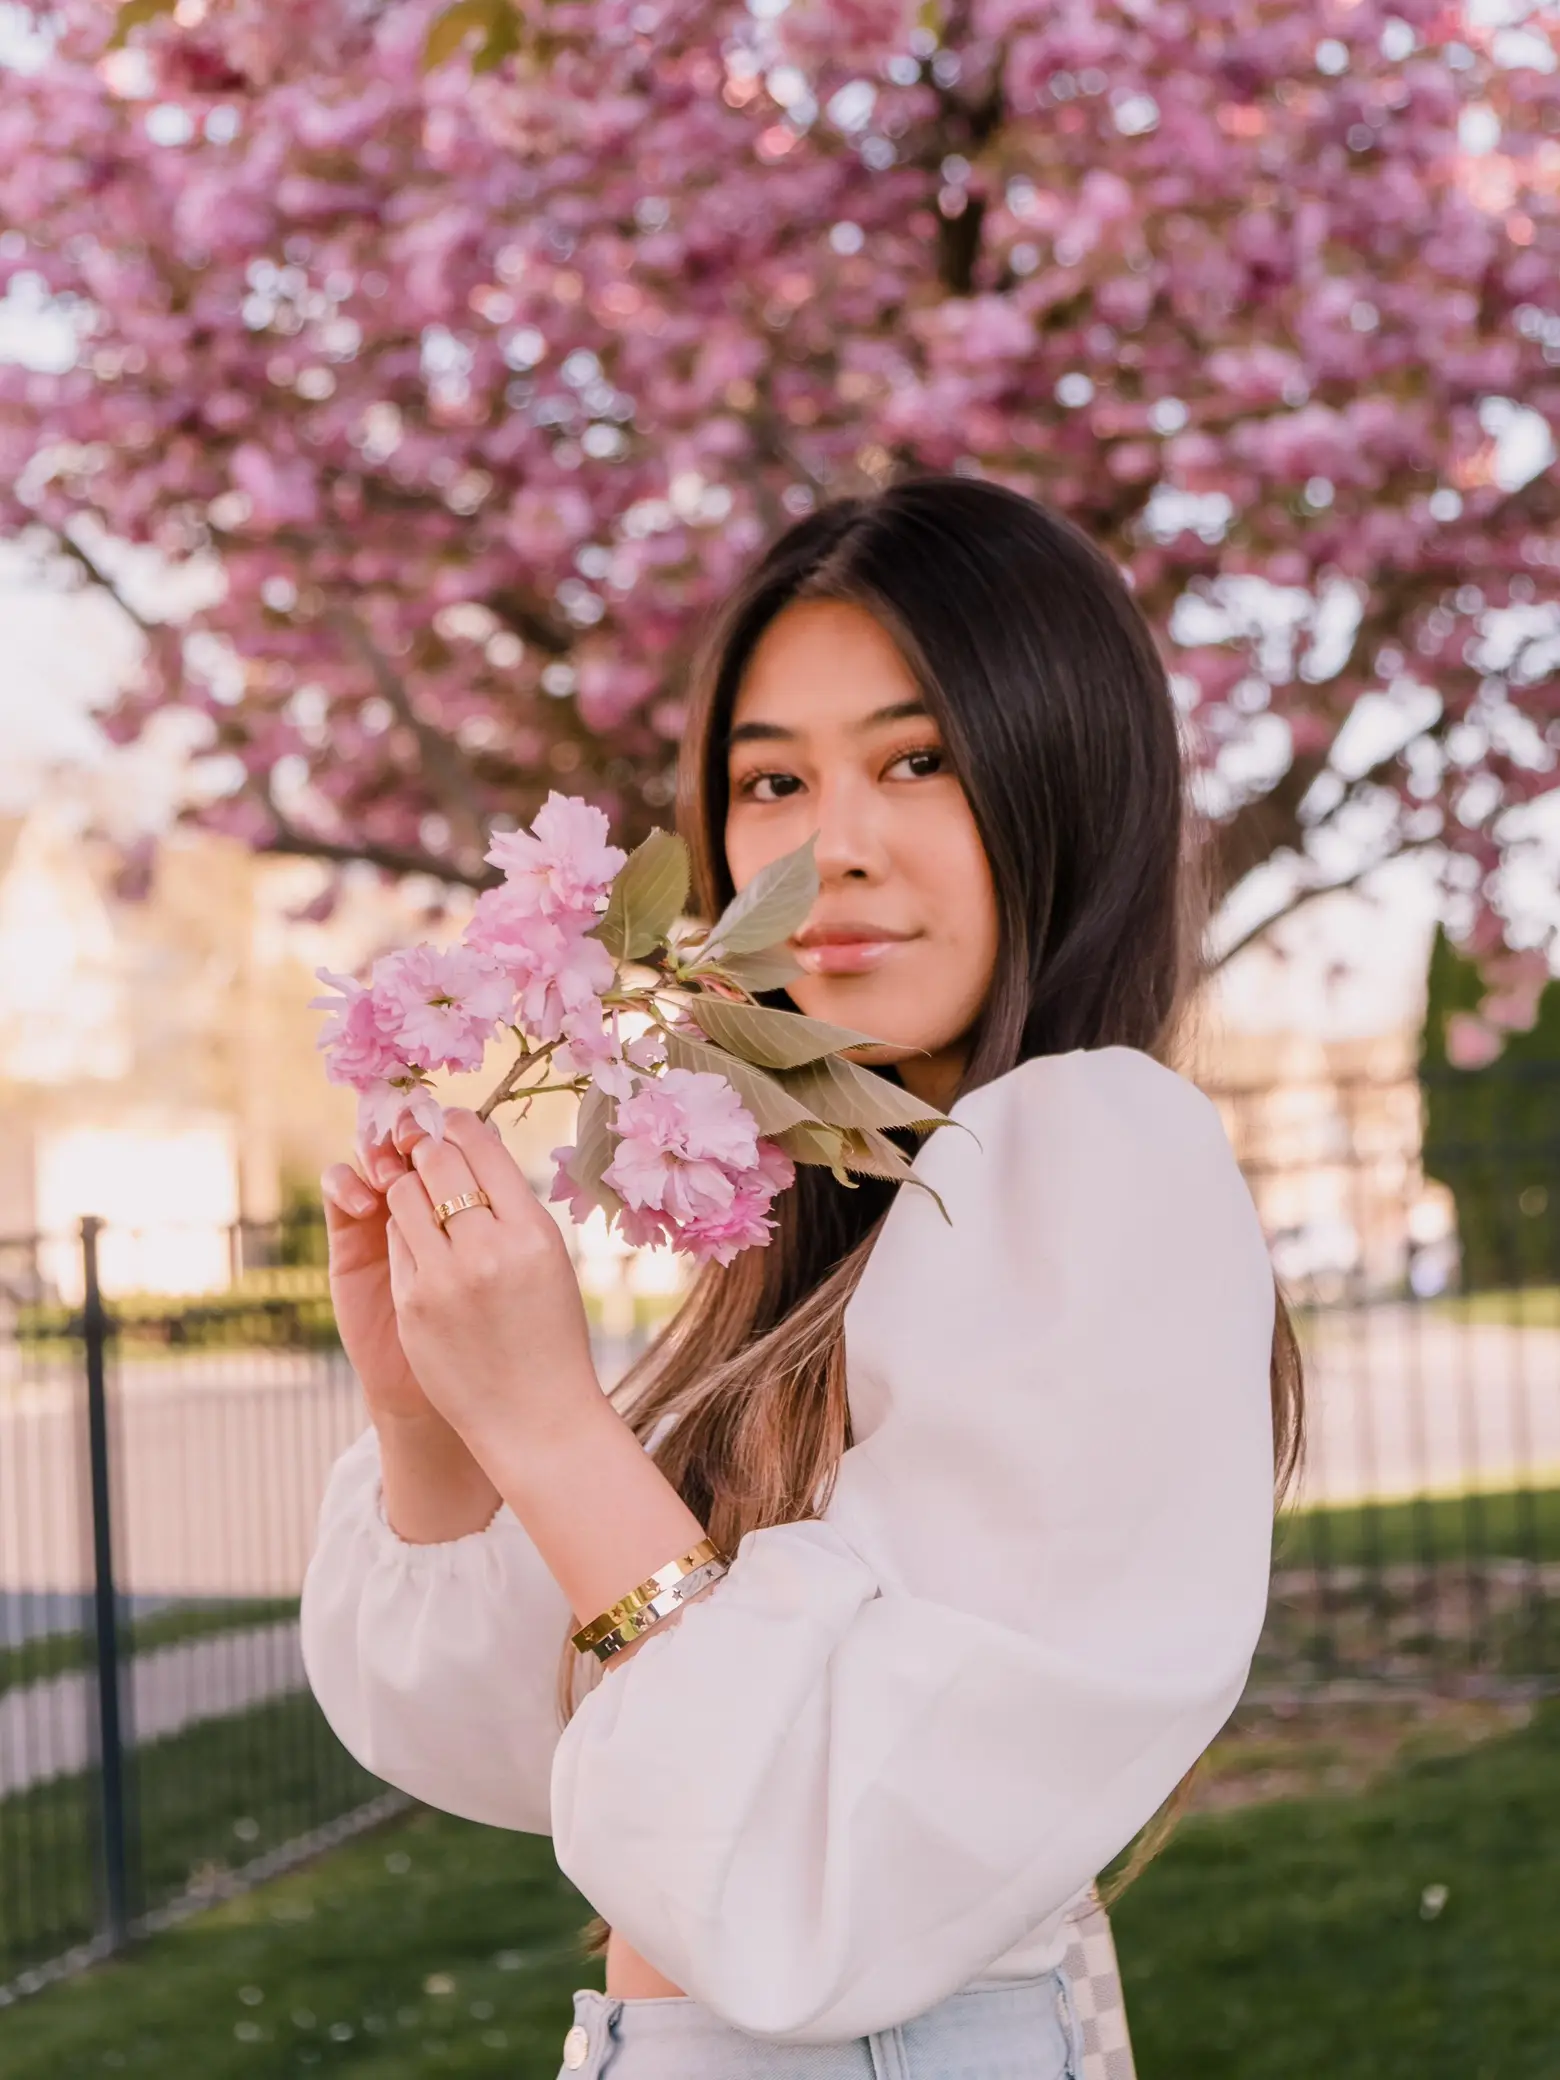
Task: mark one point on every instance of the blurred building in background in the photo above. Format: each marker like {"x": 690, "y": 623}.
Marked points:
{"x": 157, "y": 1057}
{"x": 158, "y": 1064}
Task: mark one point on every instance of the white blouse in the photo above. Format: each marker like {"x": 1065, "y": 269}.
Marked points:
{"x": 880, "y": 1758}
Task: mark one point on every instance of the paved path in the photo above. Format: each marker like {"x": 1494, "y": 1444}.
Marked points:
{"x": 1405, "y": 1402}
{"x": 221, "y": 1460}
{"x": 46, "y": 1729}
{"x": 220, "y": 1463}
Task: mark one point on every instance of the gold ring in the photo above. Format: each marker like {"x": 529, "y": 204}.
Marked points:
{"x": 446, "y": 1207}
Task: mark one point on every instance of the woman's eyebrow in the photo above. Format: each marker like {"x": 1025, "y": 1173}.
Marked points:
{"x": 776, "y": 733}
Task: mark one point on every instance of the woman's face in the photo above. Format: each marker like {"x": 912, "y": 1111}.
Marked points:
{"x": 829, "y": 735}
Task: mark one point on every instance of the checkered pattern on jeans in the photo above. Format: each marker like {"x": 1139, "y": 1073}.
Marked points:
{"x": 1095, "y": 1982}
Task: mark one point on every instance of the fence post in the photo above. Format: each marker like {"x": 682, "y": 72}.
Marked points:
{"x": 113, "y": 1830}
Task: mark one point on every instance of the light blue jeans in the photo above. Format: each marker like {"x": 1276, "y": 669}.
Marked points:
{"x": 1025, "y": 2030}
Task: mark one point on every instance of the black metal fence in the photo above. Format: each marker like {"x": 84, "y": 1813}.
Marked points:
{"x": 1415, "y": 1223}
{"x": 161, "y": 1463}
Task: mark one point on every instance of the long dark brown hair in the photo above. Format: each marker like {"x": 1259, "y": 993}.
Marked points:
{"x": 1056, "y": 713}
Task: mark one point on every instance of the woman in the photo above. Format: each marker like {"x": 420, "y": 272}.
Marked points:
{"x": 996, "y": 1489}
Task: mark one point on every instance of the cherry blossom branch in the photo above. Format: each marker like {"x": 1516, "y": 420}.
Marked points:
{"x": 687, "y": 1131}
{"x": 509, "y": 1084}
{"x": 288, "y": 842}
{"x": 1312, "y": 891}
{"x": 451, "y": 782}
{"x": 154, "y": 631}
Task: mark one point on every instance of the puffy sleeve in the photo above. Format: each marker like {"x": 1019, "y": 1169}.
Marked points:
{"x": 891, "y": 1743}
{"x": 436, "y": 1665}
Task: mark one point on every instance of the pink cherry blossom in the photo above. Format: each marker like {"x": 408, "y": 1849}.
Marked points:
{"x": 745, "y": 1223}
{"x": 683, "y": 1116}
{"x": 360, "y": 1044}
{"x": 689, "y": 1169}
{"x": 1518, "y": 979}
{"x": 593, "y": 1047}
{"x": 640, "y": 1227}
{"x": 566, "y": 1187}
{"x": 1470, "y": 1043}
{"x": 381, "y": 1104}
{"x": 688, "y": 1153}
{"x": 476, "y": 394}
{"x": 556, "y": 967}
{"x": 644, "y": 1227}
{"x": 648, "y": 1051}
{"x": 563, "y": 863}
{"x": 442, "y": 1003}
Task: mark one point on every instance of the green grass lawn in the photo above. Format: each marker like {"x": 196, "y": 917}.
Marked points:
{"x": 1284, "y": 1941}
{"x": 1289, "y": 1941}
{"x": 1517, "y": 1307}
{"x": 1507, "y": 1523}
{"x": 429, "y": 1947}
{"x": 212, "y": 1798}
{"x": 56, "y": 1653}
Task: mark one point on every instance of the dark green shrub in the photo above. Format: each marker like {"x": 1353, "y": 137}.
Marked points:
{"x": 1492, "y": 1135}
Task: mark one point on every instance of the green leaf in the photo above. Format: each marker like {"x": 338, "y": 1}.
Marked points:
{"x": 503, "y": 38}
{"x": 133, "y": 14}
{"x": 846, "y": 1096}
{"x": 807, "y": 1142}
{"x": 774, "y": 904}
{"x": 647, "y": 897}
{"x": 871, "y": 1154}
{"x": 756, "y": 972}
{"x": 450, "y": 32}
{"x": 860, "y": 1150}
{"x": 773, "y": 1039}
{"x": 773, "y": 1108}
{"x": 593, "y": 1150}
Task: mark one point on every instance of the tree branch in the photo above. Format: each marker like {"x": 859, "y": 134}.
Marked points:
{"x": 291, "y": 843}
{"x": 1305, "y": 896}
{"x": 450, "y": 782}
{"x": 528, "y": 620}
{"x": 154, "y": 631}
{"x": 1267, "y": 824}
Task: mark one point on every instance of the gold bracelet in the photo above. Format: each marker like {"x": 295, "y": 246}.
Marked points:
{"x": 663, "y": 1606}
{"x": 648, "y": 1590}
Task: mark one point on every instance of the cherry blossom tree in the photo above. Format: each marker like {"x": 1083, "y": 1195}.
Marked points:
{"x": 473, "y": 387}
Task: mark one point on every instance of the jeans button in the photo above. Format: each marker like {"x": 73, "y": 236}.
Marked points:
{"x": 576, "y": 2048}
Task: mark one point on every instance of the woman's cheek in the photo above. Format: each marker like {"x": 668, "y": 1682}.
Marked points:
{"x": 753, "y": 844}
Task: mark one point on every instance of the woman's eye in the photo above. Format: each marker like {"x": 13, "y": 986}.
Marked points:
{"x": 782, "y": 784}
{"x": 924, "y": 764}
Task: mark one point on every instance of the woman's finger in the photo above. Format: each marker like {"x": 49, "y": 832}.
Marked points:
{"x": 411, "y": 1212}
{"x": 381, "y": 1163}
{"x": 403, "y": 1265}
{"x": 342, "y": 1188}
{"x": 406, "y": 1134}
{"x": 446, "y": 1173}
{"x": 491, "y": 1165}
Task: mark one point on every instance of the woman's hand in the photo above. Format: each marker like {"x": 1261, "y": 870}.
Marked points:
{"x": 356, "y": 1227}
{"x": 488, "y": 1307}
{"x": 433, "y": 1488}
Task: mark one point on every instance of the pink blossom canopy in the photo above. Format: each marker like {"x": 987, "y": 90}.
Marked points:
{"x": 476, "y": 394}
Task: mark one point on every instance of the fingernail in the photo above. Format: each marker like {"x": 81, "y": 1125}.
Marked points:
{"x": 360, "y": 1203}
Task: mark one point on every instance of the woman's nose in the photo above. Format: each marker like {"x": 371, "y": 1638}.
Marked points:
{"x": 850, "y": 841}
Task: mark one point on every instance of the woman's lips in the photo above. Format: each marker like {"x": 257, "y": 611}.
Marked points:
{"x": 847, "y": 956}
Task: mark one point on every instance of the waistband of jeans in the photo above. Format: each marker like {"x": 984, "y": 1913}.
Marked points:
{"x": 678, "y": 2014}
